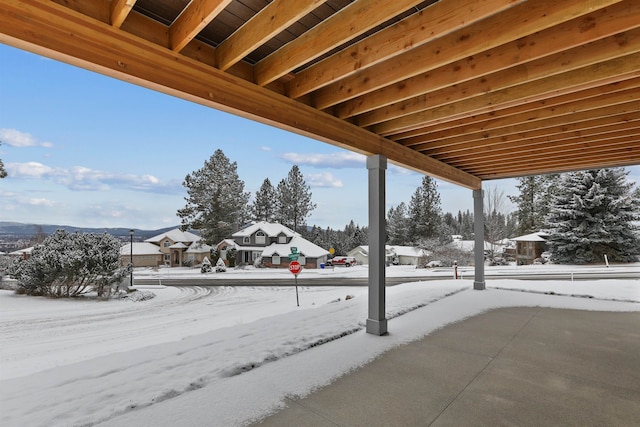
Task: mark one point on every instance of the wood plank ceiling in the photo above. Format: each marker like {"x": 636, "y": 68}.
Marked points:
{"x": 463, "y": 90}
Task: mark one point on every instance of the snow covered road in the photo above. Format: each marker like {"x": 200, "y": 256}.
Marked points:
{"x": 87, "y": 362}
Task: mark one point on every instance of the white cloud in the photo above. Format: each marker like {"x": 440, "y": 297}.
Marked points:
{"x": 15, "y": 138}
{"x": 325, "y": 179}
{"x": 338, "y": 160}
{"x": 40, "y": 202}
{"x": 265, "y": 148}
{"x": 80, "y": 178}
{"x": 28, "y": 170}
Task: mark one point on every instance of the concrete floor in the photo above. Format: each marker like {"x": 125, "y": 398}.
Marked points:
{"x": 515, "y": 367}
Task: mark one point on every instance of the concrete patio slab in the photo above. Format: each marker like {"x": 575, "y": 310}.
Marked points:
{"x": 514, "y": 366}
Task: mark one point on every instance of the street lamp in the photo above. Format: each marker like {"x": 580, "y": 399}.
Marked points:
{"x": 131, "y": 257}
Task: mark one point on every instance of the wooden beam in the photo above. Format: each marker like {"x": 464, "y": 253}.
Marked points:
{"x": 515, "y": 136}
{"x": 270, "y": 21}
{"x": 512, "y": 24}
{"x": 538, "y": 110}
{"x": 627, "y": 153}
{"x": 192, "y": 20}
{"x": 408, "y": 96}
{"x": 596, "y": 162}
{"x": 348, "y": 23}
{"x": 438, "y": 19}
{"x": 563, "y": 114}
{"x": 120, "y": 10}
{"x": 573, "y": 81}
{"x": 55, "y": 31}
{"x": 537, "y": 149}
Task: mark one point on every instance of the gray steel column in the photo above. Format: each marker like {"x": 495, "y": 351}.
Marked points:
{"x": 478, "y": 230}
{"x": 376, "y": 323}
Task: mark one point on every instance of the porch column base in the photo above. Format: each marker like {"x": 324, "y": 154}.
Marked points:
{"x": 479, "y": 286}
{"x": 377, "y": 327}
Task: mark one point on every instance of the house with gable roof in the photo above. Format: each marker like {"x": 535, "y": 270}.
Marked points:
{"x": 173, "y": 248}
{"x": 272, "y": 243}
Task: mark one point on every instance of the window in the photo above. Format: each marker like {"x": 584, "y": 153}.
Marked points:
{"x": 282, "y": 239}
{"x": 302, "y": 260}
{"x": 167, "y": 258}
{"x": 166, "y": 244}
{"x": 275, "y": 260}
{"x": 246, "y": 240}
{"x": 260, "y": 238}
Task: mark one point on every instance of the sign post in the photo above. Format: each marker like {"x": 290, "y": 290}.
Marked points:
{"x": 295, "y": 267}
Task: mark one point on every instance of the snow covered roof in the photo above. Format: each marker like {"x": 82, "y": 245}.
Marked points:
{"x": 140, "y": 248}
{"x": 304, "y": 246}
{"x": 178, "y": 245}
{"x": 230, "y": 242}
{"x": 540, "y": 236}
{"x": 269, "y": 228}
{"x": 175, "y": 235}
{"x": 198, "y": 248}
{"x": 407, "y": 251}
{"x": 469, "y": 245}
{"x": 22, "y": 251}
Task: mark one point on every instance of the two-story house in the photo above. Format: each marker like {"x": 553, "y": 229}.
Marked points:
{"x": 272, "y": 243}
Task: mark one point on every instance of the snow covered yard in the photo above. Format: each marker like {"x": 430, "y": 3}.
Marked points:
{"x": 228, "y": 355}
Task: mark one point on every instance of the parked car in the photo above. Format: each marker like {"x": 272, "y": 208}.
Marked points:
{"x": 432, "y": 264}
{"x": 347, "y": 261}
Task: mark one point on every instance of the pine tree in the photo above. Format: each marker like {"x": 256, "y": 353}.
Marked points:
{"x": 594, "y": 214}
{"x": 398, "y": 225}
{"x": 424, "y": 211}
{"x": 293, "y": 196}
{"x": 216, "y": 202}
{"x": 534, "y": 200}
{"x": 265, "y": 204}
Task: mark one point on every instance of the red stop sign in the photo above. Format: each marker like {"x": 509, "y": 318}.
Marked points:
{"x": 294, "y": 267}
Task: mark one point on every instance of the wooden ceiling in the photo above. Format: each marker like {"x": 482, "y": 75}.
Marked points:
{"x": 462, "y": 90}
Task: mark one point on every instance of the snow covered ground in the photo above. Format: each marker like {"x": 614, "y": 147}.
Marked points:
{"x": 229, "y": 355}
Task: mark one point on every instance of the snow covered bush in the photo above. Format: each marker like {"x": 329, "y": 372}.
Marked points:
{"x": 220, "y": 266}
{"x": 68, "y": 265}
{"x": 206, "y": 266}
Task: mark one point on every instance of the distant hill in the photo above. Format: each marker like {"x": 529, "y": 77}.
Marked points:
{"x": 17, "y": 230}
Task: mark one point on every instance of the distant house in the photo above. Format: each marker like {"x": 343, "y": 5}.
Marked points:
{"x": 23, "y": 253}
{"x": 394, "y": 254}
{"x": 530, "y": 247}
{"x": 144, "y": 254}
{"x": 173, "y": 248}
{"x": 272, "y": 243}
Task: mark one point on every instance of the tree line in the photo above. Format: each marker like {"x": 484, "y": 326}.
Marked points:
{"x": 598, "y": 208}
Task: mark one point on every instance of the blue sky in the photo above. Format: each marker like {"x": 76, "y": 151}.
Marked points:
{"x": 87, "y": 150}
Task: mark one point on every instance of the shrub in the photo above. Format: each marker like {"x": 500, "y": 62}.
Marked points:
{"x": 206, "y": 266}
{"x": 68, "y": 265}
{"x": 220, "y": 266}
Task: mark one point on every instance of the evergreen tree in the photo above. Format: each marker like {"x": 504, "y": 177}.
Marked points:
{"x": 293, "y": 196}
{"x": 465, "y": 219}
{"x": 594, "y": 214}
{"x": 398, "y": 225}
{"x": 534, "y": 200}
{"x": 424, "y": 211}
{"x": 264, "y": 206}
{"x": 216, "y": 202}
{"x": 3, "y": 173}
